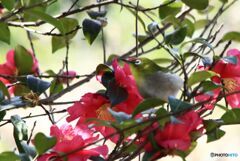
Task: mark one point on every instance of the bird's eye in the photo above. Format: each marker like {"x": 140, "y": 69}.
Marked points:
{"x": 138, "y": 62}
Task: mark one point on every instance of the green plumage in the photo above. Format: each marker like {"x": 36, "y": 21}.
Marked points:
{"x": 153, "y": 80}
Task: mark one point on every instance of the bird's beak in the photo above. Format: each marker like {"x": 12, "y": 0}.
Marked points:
{"x": 125, "y": 60}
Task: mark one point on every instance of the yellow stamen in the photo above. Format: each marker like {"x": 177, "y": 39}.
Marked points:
{"x": 230, "y": 84}
{"x": 103, "y": 113}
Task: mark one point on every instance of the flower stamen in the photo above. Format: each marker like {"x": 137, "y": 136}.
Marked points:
{"x": 230, "y": 84}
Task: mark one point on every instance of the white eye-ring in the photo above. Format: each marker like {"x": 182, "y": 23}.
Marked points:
{"x": 138, "y": 62}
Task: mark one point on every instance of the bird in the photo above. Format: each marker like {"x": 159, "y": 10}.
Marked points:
{"x": 153, "y": 81}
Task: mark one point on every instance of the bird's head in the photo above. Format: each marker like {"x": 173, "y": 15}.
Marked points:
{"x": 143, "y": 66}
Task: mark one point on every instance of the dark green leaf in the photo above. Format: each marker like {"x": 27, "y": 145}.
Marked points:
{"x": 209, "y": 86}
{"x": 69, "y": 24}
{"x": 147, "y": 104}
{"x": 4, "y": 90}
{"x": 47, "y": 18}
{"x": 197, "y": 4}
{"x": 231, "y": 116}
{"x": 37, "y": 85}
{"x": 23, "y": 60}
{"x": 4, "y": 33}
{"x": 190, "y": 27}
{"x": 104, "y": 74}
{"x": 162, "y": 114}
{"x": 56, "y": 87}
{"x": 91, "y": 29}
{"x": 115, "y": 93}
{"x": 9, "y": 156}
{"x": 199, "y": 77}
{"x": 178, "y": 105}
{"x": 43, "y": 143}
{"x": 8, "y": 4}
{"x": 233, "y": 35}
{"x": 215, "y": 135}
{"x": 171, "y": 9}
{"x": 2, "y": 114}
{"x": 177, "y": 36}
{"x": 148, "y": 156}
{"x": 96, "y": 14}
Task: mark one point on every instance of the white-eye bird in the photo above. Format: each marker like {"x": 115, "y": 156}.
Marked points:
{"x": 153, "y": 80}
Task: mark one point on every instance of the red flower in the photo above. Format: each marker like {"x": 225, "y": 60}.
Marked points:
{"x": 176, "y": 136}
{"x": 9, "y": 68}
{"x": 229, "y": 77}
{"x": 125, "y": 79}
{"x": 70, "y": 139}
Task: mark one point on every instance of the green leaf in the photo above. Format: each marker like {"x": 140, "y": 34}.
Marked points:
{"x": 212, "y": 130}
{"x": 4, "y": 90}
{"x": 199, "y": 77}
{"x": 2, "y": 114}
{"x": 199, "y": 24}
{"x": 173, "y": 20}
{"x": 55, "y": 87}
{"x": 69, "y": 25}
{"x": 190, "y": 27}
{"x": 231, "y": 116}
{"x": 9, "y": 156}
{"x": 43, "y": 143}
{"x": 37, "y": 85}
{"x": 177, "y": 36}
{"x": 8, "y": 4}
{"x": 147, "y": 104}
{"x": 162, "y": 114}
{"x": 4, "y": 33}
{"x": 209, "y": 86}
{"x": 197, "y": 4}
{"x": 171, "y": 9}
{"x": 233, "y": 35}
{"x": 104, "y": 74}
{"x": 96, "y": 158}
{"x": 91, "y": 29}
{"x": 215, "y": 135}
{"x": 20, "y": 128}
{"x": 21, "y": 90}
{"x": 47, "y": 18}
{"x": 178, "y": 105}
{"x": 23, "y": 60}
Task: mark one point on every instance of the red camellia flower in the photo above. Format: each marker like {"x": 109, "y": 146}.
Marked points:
{"x": 69, "y": 139}
{"x": 125, "y": 79}
{"x": 9, "y": 68}
{"x": 93, "y": 105}
{"x": 175, "y": 135}
{"x": 229, "y": 78}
